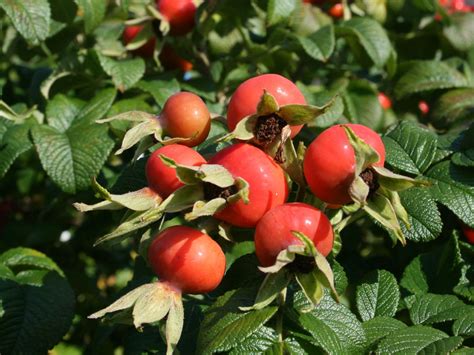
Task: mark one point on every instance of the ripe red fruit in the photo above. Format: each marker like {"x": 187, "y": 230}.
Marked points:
{"x": 329, "y": 163}
{"x": 336, "y": 11}
{"x": 245, "y": 99}
{"x": 161, "y": 178}
{"x": 187, "y": 259}
{"x": 179, "y": 14}
{"x": 145, "y": 51}
{"x": 424, "y": 107}
{"x": 268, "y": 187}
{"x": 171, "y": 60}
{"x": 384, "y": 101}
{"x": 185, "y": 115}
{"x": 274, "y": 230}
{"x": 468, "y": 233}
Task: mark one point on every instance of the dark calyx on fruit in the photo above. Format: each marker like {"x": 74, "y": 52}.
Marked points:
{"x": 212, "y": 191}
{"x": 268, "y": 128}
{"x": 370, "y": 178}
{"x": 302, "y": 264}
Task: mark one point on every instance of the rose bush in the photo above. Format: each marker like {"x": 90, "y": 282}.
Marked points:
{"x": 242, "y": 177}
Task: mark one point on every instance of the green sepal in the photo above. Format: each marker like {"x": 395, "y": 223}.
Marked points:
{"x": 203, "y": 208}
{"x": 140, "y": 200}
{"x": 293, "y": 162}
{"x": 148, "y": 124}
{"x": 365, "y": 155}
{"x": 244, "y": 130}
{"x": 181, "y": 199}
{"x": 151, "y": 303}
{"x": 211, "y": 173}
{"x": 312, "y": 288}
{"x": 272, "y": 286}
{"x": 326, "y": 275}
{"x": 380, "y": 208}
{"x": 396, "y": 182}
{"x": 267, "y": 104}
{"x": 296, "y": 115}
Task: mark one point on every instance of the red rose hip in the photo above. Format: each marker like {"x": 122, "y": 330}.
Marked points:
{"x": 274, "y": 231}
{"x": 329, "y": 162}
{"x": 245, "y": 99}
{"x": 162, "y": 178}
{"x": 187, "y": 259}
{"x": 268, "y": 187}
{"x": 185, "y": 115}
{"x": 179, "y": 14}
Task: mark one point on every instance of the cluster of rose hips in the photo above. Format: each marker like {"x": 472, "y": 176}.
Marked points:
{"x": 179, "y": 14}
{"x": 328, "y": 165}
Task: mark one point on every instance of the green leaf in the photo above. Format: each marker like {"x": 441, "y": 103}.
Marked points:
{"x": 21, "y": 258}
{"x": 410, "y": 340}
{"x": 339, "y": 320}
{"x": 224, "y": 326}
{"x": 161, "y": 90}
{"x": 443, "y": 346}
{"x": 362, "y": 105}
{"x": 320, "y": 44}
{"x": 430, "y": 308}
{"x": 435, "y": 271}
{"x": 257, "y": 343}
{"x": 124, "y": 73}
{"x": 322, "y": 334}
{"x": 453, "y": 187}
{"x": 280, "y": 11}
{"x": 340, "y": 278}
{"x": 460, "y": 32}
{"x": 31, "y": 18}
{"x": 15, "y": 141}
{"x": 93, "y": 12}
{"x": 37, "y": 304}
{"x": 410, "y": 147}
{"x": 370, "y": 35}
{"x": 378, "y": 328}
{"x": 378, "y": 295}
{"x": 74, "y": 152}
{"x": 423, "y": 215}
{"x": 62, "y": 110}
{"x": 428, "y": 75}
{"x": 97, "y": 107}
{"x": 464, "y": 325}
{"x": 454, "y": 104}
{"x": 73, "y": 158}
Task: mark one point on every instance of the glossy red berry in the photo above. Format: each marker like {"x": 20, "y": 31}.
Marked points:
{"x": 179, "y": 14}
{"x": 384, "y": 101}
{"x": 187, "y": 259}
{"x": 336, "y": 11}
{"x": 185, "y": 115}
{"x": 268, "y": 187}
{"x": 245, "y": 99}
{"x": 468, "y": 233}
{"x": 423, "y": 107}
{"x": 329, "y": 162}
{"x": 274, "y": 231}
{"x": 146, "y": 50}
{"x": 161, "y": 178}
